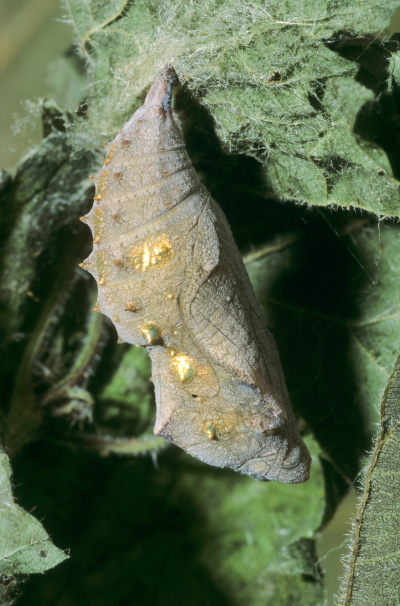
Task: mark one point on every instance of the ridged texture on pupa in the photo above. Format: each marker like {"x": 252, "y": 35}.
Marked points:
{"x": 172, "y": 279}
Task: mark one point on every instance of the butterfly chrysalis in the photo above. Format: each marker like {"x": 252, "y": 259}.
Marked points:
{"x": 172, "y": 280}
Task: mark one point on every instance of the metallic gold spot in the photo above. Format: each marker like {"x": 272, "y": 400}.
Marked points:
{"x": 102, "y": 181}
{"x": 150, "y": 332}
{"x": 131, "y": 306}
{"x": 106, "y": 162}
{"x": 92, "y": 177}
{"x": 96, "y": 308}
{"x": 118, "y": 262}
{"x": 211, "y": 432}
{"x": 83, "y": 219}
{"x": 115, "y": 319}
{"x": 151, "y": 255}
{"x": 182, "y": 366}
{"x": 96, "y": 240}
{"x": 170, "y": 295}
{"x": 84, "y": 265}
{"x": 98, "y": 222}
{"x": 99, "y": 262}
{"x": 98, "y": 197}
{"x": 125, "y": 143}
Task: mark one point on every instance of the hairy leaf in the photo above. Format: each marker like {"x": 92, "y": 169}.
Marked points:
{"x": 373, "y": 574}
{"x": 25, "y": 547}
{"x": 304, "y": 88}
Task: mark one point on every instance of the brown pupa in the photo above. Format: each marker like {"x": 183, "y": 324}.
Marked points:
{"x": 172, "y": 280}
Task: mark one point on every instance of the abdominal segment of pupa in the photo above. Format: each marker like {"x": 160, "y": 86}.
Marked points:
{"x": 172, "y": 280}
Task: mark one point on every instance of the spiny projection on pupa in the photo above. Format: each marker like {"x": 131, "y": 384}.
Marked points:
{"x": 172, "y": 280}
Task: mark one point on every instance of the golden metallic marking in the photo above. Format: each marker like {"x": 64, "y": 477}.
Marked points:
{"x": 106, "y": 162}
{"x": 118, "y": 262}
{"x": 98, "y": 197}
{"x": 115, "y": 319}
{"x": 101, "y": 282}
{"x": 182, "y": 366}
{"x": 131, "y": 306}
{"x": 96, "y": 240}
{"x": 84, "y": 265}
{"x": 92, "y": 177}
{"x": 125, "y": 143}
{"x": 150, "y": 332}
{"x": 211, "y": 432}
{"x": 151, "y": 255}
{"x": 170, "y": 295}
{"x": 96, "y": 308}
{"x": 98, "y": 222}
{"x": 83, "y": 219}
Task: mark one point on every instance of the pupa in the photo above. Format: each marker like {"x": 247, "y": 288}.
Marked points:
{"x": 172, "y": 280}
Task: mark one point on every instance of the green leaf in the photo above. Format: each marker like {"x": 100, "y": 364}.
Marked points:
{"x": 256, "y": 547}
{"x": 25, "y": 547}
{"x": 298, "y": 577}
{"x": 331, "y": 295}
{"x": 374, "y": 559}
{"x": 210, "y": 533}
{"x": 304, "y": 88}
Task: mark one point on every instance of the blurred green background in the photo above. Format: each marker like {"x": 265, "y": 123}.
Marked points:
{"x": 32, "y": 34}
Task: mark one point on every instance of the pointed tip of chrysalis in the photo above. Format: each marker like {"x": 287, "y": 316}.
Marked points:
{"x": 161, "y": 91}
